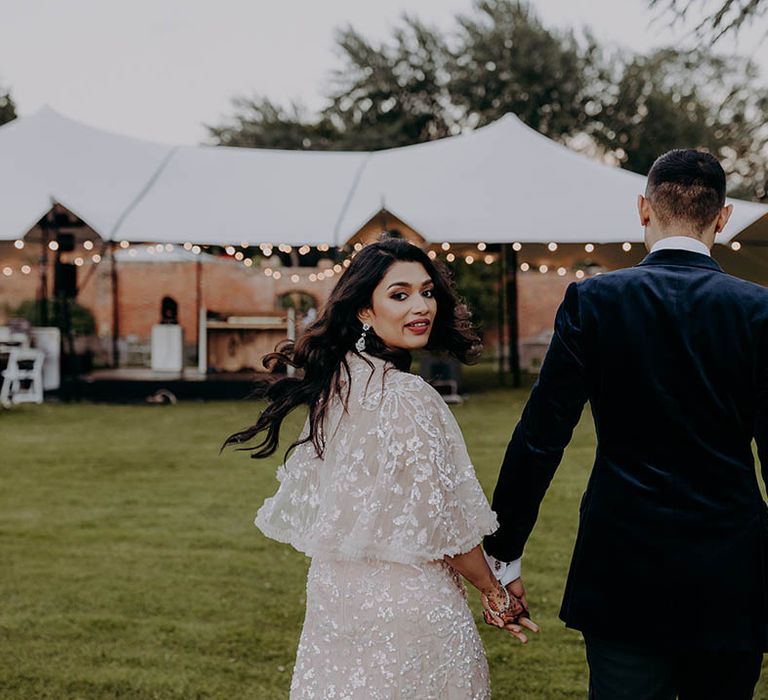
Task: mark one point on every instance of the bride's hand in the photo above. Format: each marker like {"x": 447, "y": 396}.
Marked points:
{"x": 497, "y": 604}
{"x": 507, "y": 611}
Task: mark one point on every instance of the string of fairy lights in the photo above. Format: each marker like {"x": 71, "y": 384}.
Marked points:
{"x": 244, "y": 254}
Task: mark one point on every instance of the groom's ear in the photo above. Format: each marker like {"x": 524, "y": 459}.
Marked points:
{"x": 722, "y": 217}
{"x": 644, "y": 210}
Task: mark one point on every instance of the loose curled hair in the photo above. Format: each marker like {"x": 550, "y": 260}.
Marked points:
{"x": 320, "y": 352}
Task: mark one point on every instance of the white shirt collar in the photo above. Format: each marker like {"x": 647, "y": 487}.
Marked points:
{"x": 681, "y": 243}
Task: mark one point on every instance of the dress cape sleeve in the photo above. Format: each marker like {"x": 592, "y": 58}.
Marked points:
{"x": 427, "y": 501}
{"x": 396, "y": 482}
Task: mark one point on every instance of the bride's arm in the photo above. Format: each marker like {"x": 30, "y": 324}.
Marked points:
{"x": 473, "y": 567}
{"x": 498, "y": 605}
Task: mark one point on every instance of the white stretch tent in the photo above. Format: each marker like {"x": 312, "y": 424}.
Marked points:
{"x": 208, "y": 194}
{"x": 498, "y": 184}
{"x": 506, "y": 182}
{"x": 46, "y": 157}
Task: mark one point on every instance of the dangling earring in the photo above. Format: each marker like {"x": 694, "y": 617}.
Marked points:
{"x": 360, "y": 344}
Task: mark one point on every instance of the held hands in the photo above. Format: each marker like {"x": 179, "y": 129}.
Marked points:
{"x": 507, "y": 608}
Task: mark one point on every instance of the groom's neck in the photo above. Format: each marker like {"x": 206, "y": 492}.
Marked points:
{"x": 654, "y": 236}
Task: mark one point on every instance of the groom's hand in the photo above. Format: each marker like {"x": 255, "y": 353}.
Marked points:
{"x": 517, "y": 589}
{"x": 522, "y": 619}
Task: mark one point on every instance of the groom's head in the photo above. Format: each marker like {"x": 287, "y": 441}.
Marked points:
{"x": 684, "y": 196}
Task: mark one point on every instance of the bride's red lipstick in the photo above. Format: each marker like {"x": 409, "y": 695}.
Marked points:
{"x": 419, "y": 327}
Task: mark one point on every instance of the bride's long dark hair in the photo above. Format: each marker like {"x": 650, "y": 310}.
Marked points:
{"x": 320, "y": 352}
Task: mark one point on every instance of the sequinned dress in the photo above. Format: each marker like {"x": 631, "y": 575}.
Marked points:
{"x": 395, "y": 492}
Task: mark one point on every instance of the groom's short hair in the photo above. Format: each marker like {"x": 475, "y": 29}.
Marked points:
{"x": 686, "y": 185}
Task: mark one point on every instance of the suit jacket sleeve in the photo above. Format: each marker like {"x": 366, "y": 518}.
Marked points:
{"x": 761, "y": 412}
{"x": 545, "y": 428}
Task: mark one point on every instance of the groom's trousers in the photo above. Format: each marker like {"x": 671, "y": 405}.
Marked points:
{"x": 623, "y": 672}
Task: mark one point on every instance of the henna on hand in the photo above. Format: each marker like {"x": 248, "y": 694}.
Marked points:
{"x": 496, "y": 604}
{"x": 500, "y": 610}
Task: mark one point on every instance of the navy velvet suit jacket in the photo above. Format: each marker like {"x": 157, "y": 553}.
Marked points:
{"x": 672, "y": 547}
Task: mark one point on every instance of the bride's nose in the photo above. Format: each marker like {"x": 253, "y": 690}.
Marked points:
{"x": 420, "y": 305}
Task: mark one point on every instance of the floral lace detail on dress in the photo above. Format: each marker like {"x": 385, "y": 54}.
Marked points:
{"x": 395, "y": 484}
{"x": 387, "y": 631}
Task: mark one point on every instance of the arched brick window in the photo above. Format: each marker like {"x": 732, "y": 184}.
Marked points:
{"x": 169, "y": 310}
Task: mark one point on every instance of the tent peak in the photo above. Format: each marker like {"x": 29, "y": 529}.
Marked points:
{"x": 48, "y": 115}
{"x": 506, "y": 118}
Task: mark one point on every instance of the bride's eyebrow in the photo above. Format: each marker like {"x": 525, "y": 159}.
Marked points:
{"x": 425, "y": 283}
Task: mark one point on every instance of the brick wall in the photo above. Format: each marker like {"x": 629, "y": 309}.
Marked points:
{"x": 17, "y": 287}
{"x": 538, "y": 298}
{"x": 228, "y": 287}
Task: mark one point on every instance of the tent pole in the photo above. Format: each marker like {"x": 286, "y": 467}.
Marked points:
{"x": 510, "y": 264}
{"x": 42, "y": 294}
{"x": 501, "y": 299}
{"x": 198, "y": 300}
{"x": 115, "y": 307}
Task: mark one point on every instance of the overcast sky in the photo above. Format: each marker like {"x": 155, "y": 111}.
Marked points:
{"x": 160, "y": 69}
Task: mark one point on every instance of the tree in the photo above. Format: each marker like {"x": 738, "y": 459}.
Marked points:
{"x": 393, "y": 94}
{"x": 81, "y": 319}
{"x": 720, "y": 17}
{"x": 672, "y": 99}
{"x": 478, "y": 286}
{"x": 259, "y": 123}
{"x": 7, "y": 106}
{"x": 421, "y": 86}
{"x": 385, "y": 95}
{"x": 507, "y": 61}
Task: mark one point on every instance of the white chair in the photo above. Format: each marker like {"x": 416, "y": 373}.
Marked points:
{"x": 13, "y": 338}
{"x": 5, "y": 383}
{"x": 23, "y": 377}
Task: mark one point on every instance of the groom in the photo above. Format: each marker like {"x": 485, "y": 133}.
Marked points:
{"x": 669, "y": 577}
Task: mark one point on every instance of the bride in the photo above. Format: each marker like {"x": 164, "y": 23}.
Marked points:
{"x": 379, "y": 491}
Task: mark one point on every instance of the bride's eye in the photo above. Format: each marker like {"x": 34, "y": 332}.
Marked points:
{"x": 429, "y": 293}
{"x": 399, "y": 296}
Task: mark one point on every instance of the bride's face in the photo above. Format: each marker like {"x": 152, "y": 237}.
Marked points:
{"x": 403, "y": 307}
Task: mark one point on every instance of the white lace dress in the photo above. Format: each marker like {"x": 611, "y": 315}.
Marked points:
{"x": 386, "y": 618}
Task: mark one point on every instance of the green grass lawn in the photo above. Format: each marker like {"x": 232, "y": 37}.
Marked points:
{"x": 130, "y": 568}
